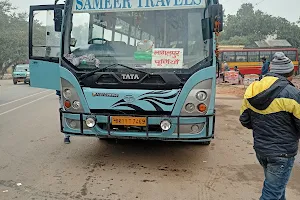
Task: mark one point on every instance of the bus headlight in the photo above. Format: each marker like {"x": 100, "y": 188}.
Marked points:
{"x": 72, "y": 101}
{"x": 90, "y": 122}
{"x": 189, "y": 107}
{"x": 198, "y": 99}
{"x": 67, "y": 93}
{"x": 76, "y": 104}
{"x": 165, "y": 125}
{"x": 201, "y": 96}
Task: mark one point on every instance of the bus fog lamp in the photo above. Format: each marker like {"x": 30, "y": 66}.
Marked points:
{"x": 189, "y": 107}
{"x": 165, "y": 125}
{"x": 201, "y": 96}
{"x": 195, "y": 129}
{"x": 67, "y": 93}
{"x": 72, "y": 124}
{"x": 76, "y": 105}
{"x": 90, "y": 122}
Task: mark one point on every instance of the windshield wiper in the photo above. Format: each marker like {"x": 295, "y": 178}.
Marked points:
{"x": 108, "y": 66}
{"x": 83, "y": 76}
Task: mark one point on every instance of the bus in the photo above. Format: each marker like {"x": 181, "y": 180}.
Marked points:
{"x": 249, "y": 61}
{"x": 130, "y": 69}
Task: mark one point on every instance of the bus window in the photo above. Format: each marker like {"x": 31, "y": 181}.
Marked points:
{"x": 253, "y": 56}
{"x": 152, "y": 38}
{"x": 107, "y": 34}
{"x": 125, "y": 38}
{"x": 118, "y": 36}
{"x": 291, "y": 55}
{"x": 229, "y": 56}
{"x": 241, "y": 56}
{"x": 122, "y": 26}
{"x": 49, "y": 44}
{"x": 145, "y": 36}
{"x": 131, "y": 42}
{"x": 266, "y": 54}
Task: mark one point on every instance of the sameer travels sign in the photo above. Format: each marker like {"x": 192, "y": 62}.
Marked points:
{"x": 134, "y": 5}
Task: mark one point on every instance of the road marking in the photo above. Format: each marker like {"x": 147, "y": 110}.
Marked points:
{"x": 25, "y": 104}
{"x": 22, "y": 98}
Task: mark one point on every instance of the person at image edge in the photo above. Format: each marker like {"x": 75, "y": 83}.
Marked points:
{"x": 271, "y": 108}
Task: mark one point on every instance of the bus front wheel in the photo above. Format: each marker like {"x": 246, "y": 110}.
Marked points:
{"x": 207, "y": 143}
{"x": 108, "y": 140}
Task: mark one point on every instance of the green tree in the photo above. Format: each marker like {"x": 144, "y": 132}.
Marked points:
{"x": 13, "y": 35}
{"x": 249, "y": 25}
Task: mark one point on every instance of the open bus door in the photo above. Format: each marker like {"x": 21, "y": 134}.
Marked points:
{"x": 44, "y": 46}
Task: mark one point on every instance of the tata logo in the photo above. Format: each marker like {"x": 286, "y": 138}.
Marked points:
{"x": 129, "y": 98}
{"x": 130, "y": 77}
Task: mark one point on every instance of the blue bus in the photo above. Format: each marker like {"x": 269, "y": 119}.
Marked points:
{"x": 131, "y": 69}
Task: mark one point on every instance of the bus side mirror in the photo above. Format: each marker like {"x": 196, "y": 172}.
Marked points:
{"x": 206, "y": 29}
{"x": 58, "y": 18}
{"x": 73, "y": 42}
{"x": 216, "y": 13}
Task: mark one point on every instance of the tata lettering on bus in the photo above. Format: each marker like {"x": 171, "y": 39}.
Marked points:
{"x": 142, "y": 69}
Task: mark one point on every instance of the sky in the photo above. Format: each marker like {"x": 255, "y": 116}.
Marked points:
{"x": 290, "y": 11}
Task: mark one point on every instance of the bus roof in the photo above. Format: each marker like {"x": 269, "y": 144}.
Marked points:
{"x": 88, "y": 6}
{"x": 260, "y": 49}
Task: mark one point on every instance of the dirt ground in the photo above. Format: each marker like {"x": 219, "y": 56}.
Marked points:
{"x": 239, "y": 90}
{"x": 32, "y": 153}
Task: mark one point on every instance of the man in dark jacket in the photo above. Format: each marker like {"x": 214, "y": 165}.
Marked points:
{"x": 271, "y": 108}
{"x": 265, "y": 67}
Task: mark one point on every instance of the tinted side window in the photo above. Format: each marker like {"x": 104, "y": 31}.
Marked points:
{"x": 253, "y": 56}
{"x": 241, "y": 56}
{"x": 292, "y": 55}
{"x": 229, "y": 56}
{"x": 266, "y": 54}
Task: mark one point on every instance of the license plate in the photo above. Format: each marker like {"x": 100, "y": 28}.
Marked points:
{"x": 129, "y": 121}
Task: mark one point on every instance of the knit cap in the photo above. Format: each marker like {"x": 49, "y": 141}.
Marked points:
{"x": 281, "y": 64}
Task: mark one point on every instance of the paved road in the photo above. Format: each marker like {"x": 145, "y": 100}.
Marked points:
{"x": 32, "y": 153}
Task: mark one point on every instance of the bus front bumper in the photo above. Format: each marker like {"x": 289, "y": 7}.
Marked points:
{"x": 181, "y": 129}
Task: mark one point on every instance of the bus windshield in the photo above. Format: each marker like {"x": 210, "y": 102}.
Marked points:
{"x": 158, "y": 39}
{"x": 22, "y": 68}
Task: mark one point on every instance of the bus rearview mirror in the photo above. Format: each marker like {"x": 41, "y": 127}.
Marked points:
{"x": 216, "y": 13}
{"x": 73, "y": 42}
{"x": 207, "y": 29}
{"x": 58, "y": 17}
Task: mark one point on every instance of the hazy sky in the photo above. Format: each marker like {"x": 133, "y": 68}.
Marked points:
{"x": 290, "y": 11}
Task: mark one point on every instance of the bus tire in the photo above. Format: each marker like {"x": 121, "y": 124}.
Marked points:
{"x": 108, "y": 140}
{"x": 15, "y": 82}
{"x": 207, "y": 143}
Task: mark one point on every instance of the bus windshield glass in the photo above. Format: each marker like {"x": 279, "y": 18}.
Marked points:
{"x": 152, "y": 39}
{"x": 22, "y": 68}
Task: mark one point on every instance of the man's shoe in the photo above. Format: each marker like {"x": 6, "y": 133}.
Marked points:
{"x": 67, "y": 140}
